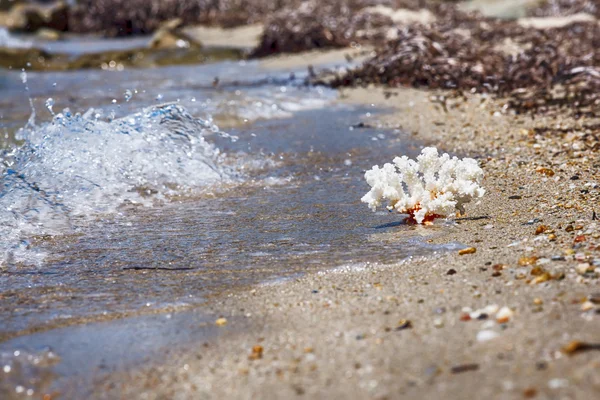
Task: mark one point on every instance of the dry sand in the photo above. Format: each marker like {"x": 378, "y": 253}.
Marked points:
{"x": 343, "y": 333}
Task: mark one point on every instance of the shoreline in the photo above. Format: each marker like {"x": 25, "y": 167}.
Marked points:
{"x": 343, "y": 333}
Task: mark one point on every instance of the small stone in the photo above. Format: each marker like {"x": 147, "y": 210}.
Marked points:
{"x": 542, "y": 278}
{"x": 504, "y": 315}
{"x": 541, "y": 229}
{"x": 594, "y": 298}
{"x": 558, "y": 383}
{"x": 530, "y": 393}
{"x": 483, "y": 336}
{"x": 468, "y": 250}
{"x": 579, "y": 239}
{"x": 221, "y": 322}
{"x": 541, "y": 365}
{"x": 587, "y": 305}
{"x": 458, "y": 369}
{"x": 544, "y": 171}
{"x": 523, "y": 261}
{"x": 537, "y": 271}
{"x": 577, "y": 346}
{"x": 451, "y": 271}
{"x": 404, "y": 324}
{"x": 537, "y": 301}
{"x": 257, "y": 352}
{"x": 516, "y": 197}
{"x": 438, "y": 322}
{"x": 584, "y": 268}
{"x": 552, "y": 237}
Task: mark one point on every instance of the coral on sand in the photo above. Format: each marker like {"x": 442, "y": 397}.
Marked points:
{"x": 430, "y": 187}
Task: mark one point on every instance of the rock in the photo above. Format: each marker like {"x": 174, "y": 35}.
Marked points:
{"x": 32, "y": 17}
{"x": 504, "y": 315}
{"x": 483, "y": 336}
{"x": 47, "y": 34}
{"x": 6, "y": 5}
{"x": 170, "y": 36}
{"x": 468, "y": 250}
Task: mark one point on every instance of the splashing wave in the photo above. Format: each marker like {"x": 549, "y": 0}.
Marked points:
{"x": 77, "y": 167}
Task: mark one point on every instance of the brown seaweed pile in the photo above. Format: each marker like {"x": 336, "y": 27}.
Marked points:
{"x": 316, "y": 26}
{"x": 130, "y": 17}
{"x": 335, "y": 23}
{"x": 547, "y": 69}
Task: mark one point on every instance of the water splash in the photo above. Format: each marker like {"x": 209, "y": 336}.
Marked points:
{"x": 77, "y": 167}
{"x": 31, "y": 121}
{"x": 49, "y": 105}
{"x": 128, "y": 95}
{"x": 8, "y": 40}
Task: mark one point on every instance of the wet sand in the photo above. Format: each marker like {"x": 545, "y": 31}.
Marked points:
{"x": 412, "y": 329}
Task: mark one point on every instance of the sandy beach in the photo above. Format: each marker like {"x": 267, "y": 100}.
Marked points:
{"x": 508, "y": 306}
{"x": 429, "y": 328}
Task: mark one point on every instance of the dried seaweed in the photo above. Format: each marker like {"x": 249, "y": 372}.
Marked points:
{"x": 128, "y": 17}
{"x": 555, "y": 68}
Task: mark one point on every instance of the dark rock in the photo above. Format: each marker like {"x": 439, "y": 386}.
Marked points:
{"x": 170, "y": 36}
{"x": 25, "y": 17}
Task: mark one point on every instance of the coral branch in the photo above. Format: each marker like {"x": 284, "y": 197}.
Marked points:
{"x": 432, "y": 187}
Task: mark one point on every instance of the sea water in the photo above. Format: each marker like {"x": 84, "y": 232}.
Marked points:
{"x": 149, "y": 191}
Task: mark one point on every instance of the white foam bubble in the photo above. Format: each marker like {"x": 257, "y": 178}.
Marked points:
{"x": 8, "y": 40}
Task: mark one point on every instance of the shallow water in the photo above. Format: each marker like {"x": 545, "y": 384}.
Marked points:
{"x": 138, "y": 207}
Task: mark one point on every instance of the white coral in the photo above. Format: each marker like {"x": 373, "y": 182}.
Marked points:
{"x": 427, "y": 188}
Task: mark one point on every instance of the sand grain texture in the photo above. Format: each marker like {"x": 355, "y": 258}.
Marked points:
{"x": 412, "y": 329}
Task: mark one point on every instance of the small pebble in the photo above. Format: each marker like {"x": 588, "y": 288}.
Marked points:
{"x": 404, "y": 324}
{"x": 257, "y": 352}
{"x": 530, "y": 393}
{"x": 594, "y": 298}
{"x": 583, "y": 268}
{"x": 523, "y": 261}
{"x": 558, "y": 383}
{"x": 483, "y": 336}
{"x": 544, "y": 171}
{"x": 577, "y": 346}
{"x": 457, "y": 369}
{"x": 221, "y": 322}
{"x": 468, "y": 250}
{"x": 504, "y": 315}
